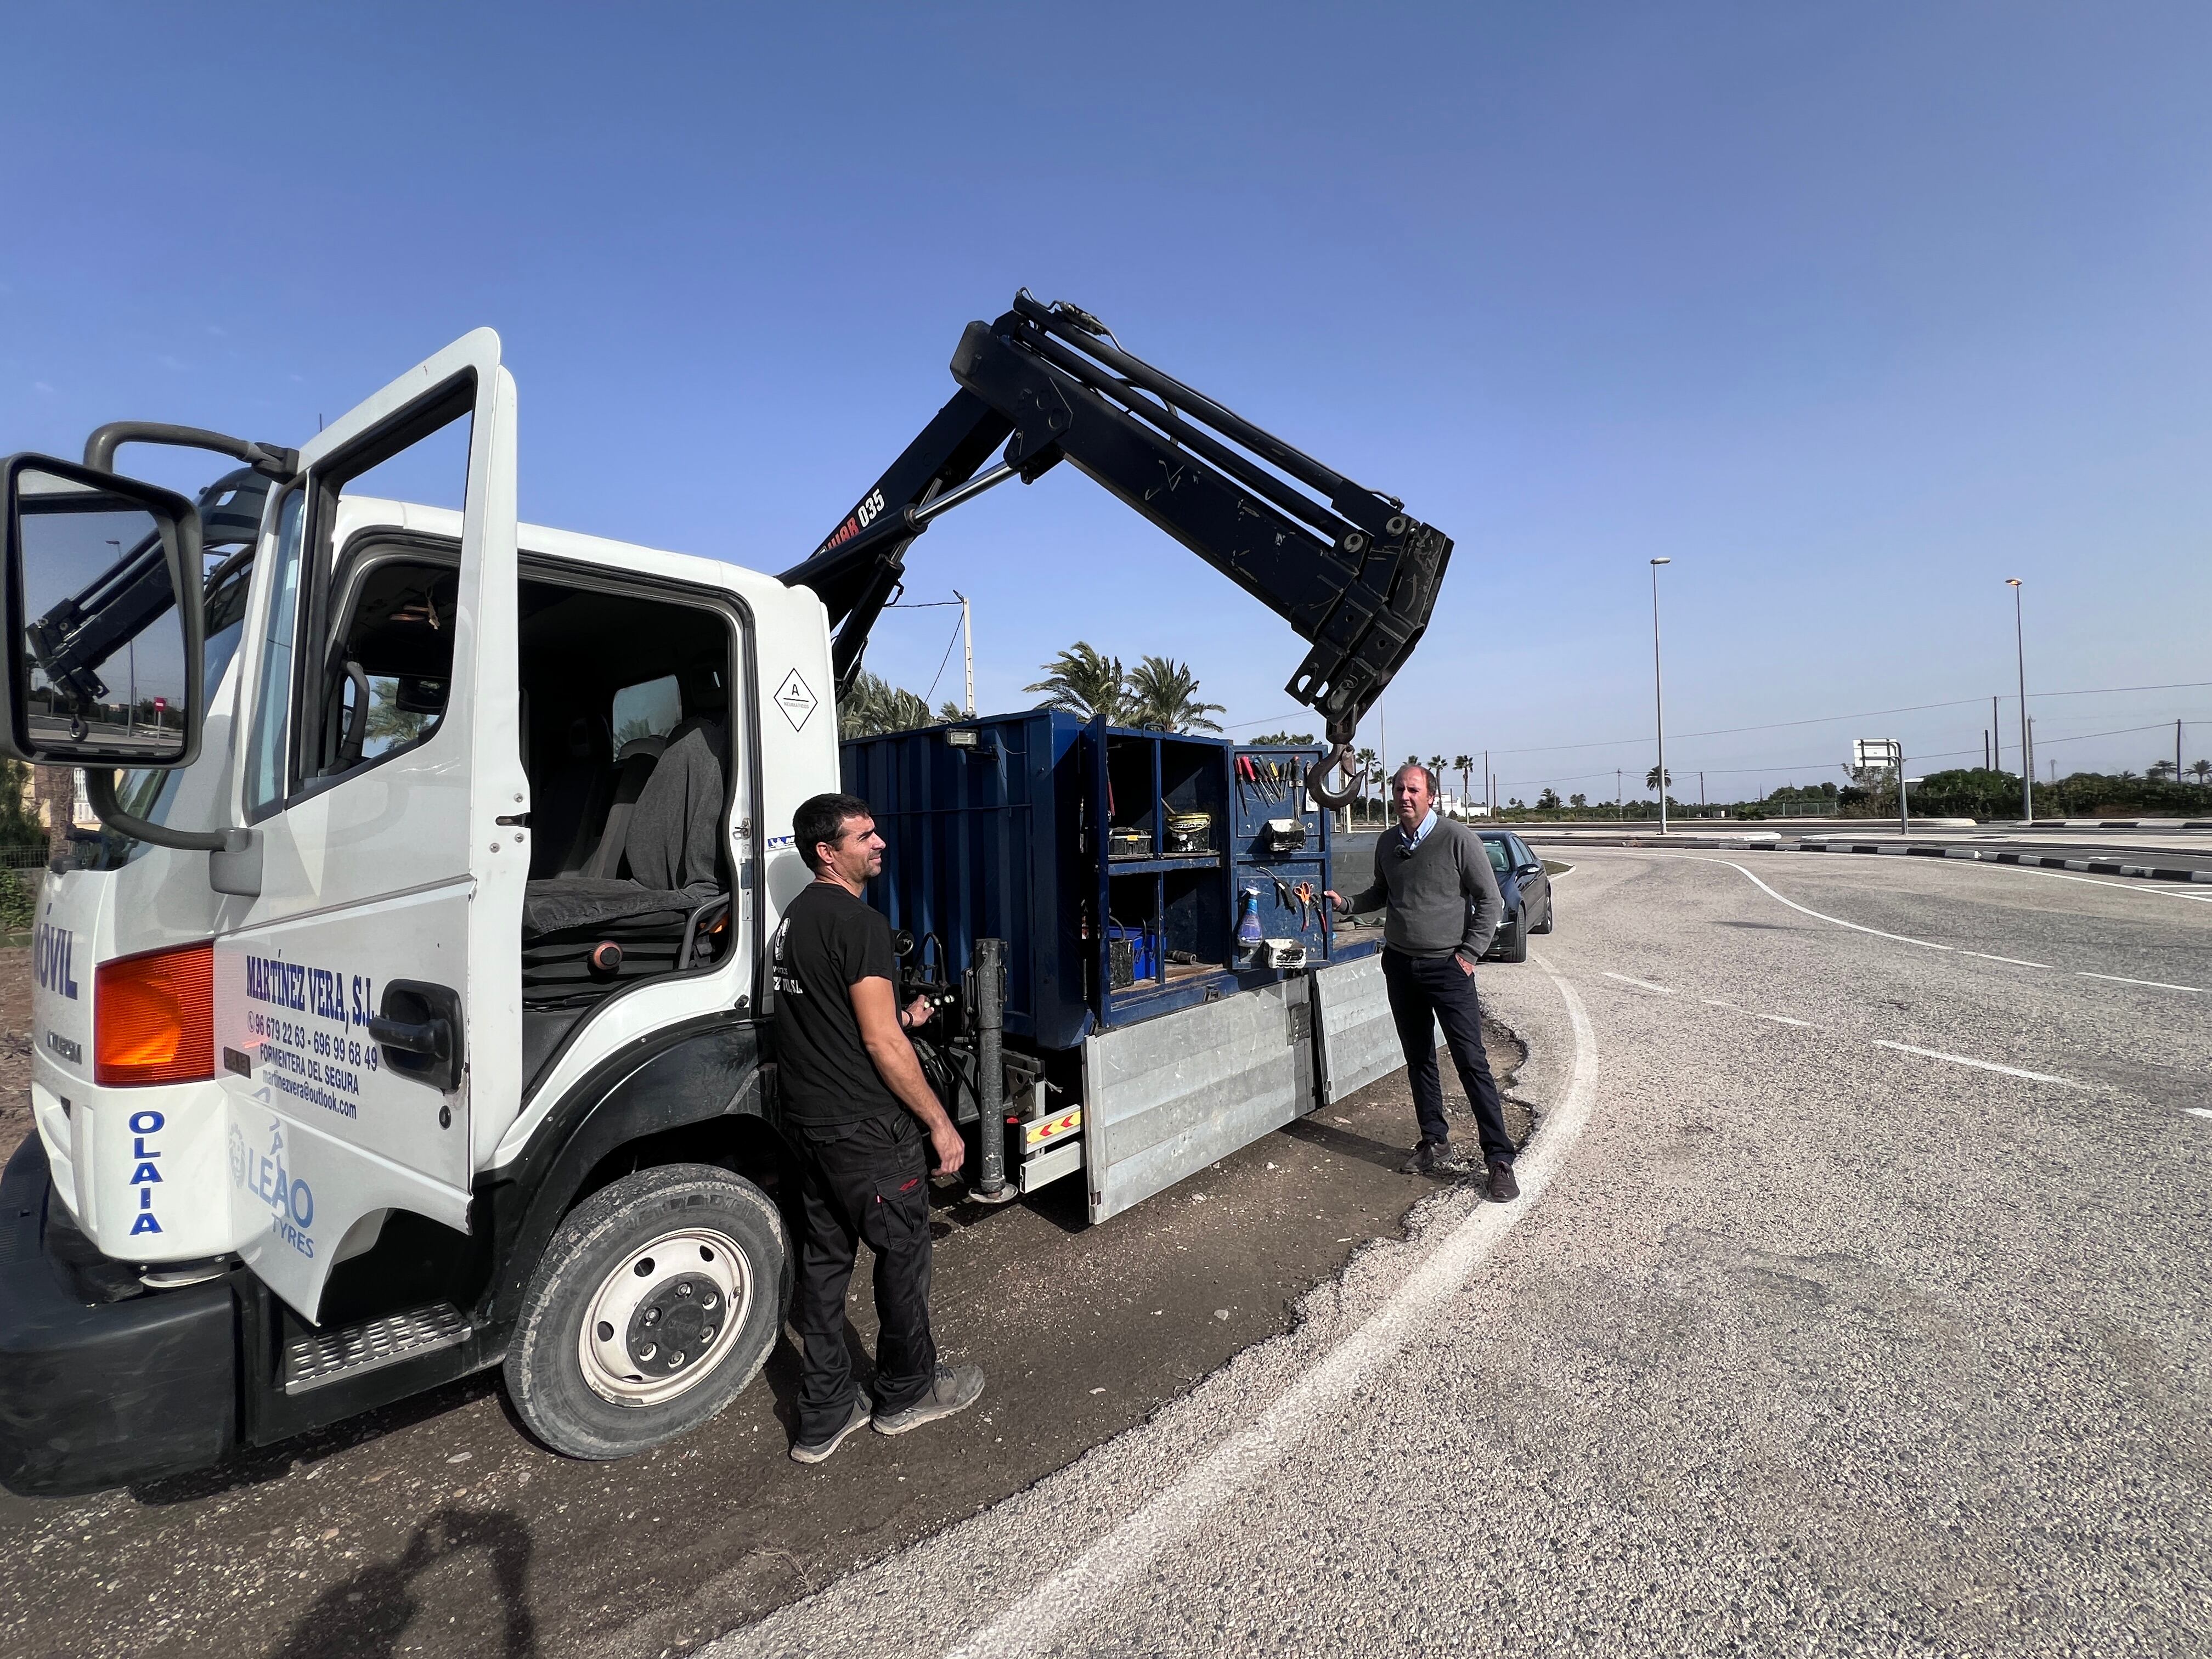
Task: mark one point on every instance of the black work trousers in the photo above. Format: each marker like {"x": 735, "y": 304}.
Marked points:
{"x": 868, "y": 1181}
{"x": 1427, "y": 992}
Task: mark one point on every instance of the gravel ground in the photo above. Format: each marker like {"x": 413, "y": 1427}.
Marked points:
{"x": 439, "y": 1528}
{"x": 15, "y": 1050}
{"x": 1811, "y": 1345}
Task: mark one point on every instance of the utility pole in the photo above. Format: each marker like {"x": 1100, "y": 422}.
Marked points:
{"x": 2027, "y": 742}
{"x": 1659, "y": 693}
{"x": 1996, "y": 737}
{"x": 1701, "y": 790}
{"x": 2177, "y": 752}
{"x": 967, "y": 650}
{"x": 1620, "y": 794}
{"x": 1904, "y": 811}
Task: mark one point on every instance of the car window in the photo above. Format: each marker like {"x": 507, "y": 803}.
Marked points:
{"x": 648, "y": 709}
{"x": 1498, "y": 861}
{"x": 1521, "y": 852}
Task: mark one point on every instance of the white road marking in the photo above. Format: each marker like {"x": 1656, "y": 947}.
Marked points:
{"x": 2162, "y": 892}
{"x": 2197, "y": 1111}
{"x": 1817, "y": 915}
{"x": 1979, "y": 1065}
{"x": 1779, "y": 1019}
{"x": 1074, "y": 1593}
{"x": 1641, "y": 984}
{"x": 2155, "y": 984}
{"x": 2017, "y": 962}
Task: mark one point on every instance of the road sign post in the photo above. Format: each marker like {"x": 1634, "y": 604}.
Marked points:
{"x": 1870, "y": 753}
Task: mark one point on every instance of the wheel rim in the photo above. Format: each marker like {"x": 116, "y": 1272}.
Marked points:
{"x": 662, "y": 1319}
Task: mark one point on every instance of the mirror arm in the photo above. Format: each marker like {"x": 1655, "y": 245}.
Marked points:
{"x": 99, "y": 790}
{"x": 268, "y": 460}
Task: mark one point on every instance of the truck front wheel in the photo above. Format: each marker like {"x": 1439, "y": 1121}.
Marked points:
{"x": 657, "y": 1301}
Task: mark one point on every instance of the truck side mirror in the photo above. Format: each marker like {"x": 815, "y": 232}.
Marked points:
{"x": 101, "y": 596}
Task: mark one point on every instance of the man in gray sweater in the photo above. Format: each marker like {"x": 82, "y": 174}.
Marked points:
{"x": 1443, "y": 908}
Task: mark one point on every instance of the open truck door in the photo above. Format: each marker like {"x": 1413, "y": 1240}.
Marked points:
{"x": 367, "y": 1002}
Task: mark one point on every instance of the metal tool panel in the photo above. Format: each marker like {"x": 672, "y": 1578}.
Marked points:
{"x": 1358, "y": 1042}
{"x": 1171, "y": 1095}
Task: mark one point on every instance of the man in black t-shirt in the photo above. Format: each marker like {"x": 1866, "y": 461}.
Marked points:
{"x": 855, "y": 1107}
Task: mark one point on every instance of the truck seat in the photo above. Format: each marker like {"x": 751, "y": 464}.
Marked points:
{"x": 659, "y": 860}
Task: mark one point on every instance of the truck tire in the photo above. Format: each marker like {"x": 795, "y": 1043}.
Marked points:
{"x": 1513, "y": 941}
{"x": 657, "y": 1301}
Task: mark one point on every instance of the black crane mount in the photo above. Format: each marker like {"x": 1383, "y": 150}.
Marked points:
{"x": 1353, "y": 572}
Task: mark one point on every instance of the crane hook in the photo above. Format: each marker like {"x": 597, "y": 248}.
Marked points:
{"x": 1339, "y": 758}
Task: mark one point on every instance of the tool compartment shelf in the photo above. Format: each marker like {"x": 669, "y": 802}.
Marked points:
{"x": 1001, "y": 827}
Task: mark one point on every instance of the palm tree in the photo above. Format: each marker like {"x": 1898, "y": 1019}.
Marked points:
{"x": 1435, "y": 764}
{"x": 1464, "y": 765}
{"x": 874, "y": 705}
{"x": 2201, "y": 771}
{"x": 2160, "y": 770}
{"x": 1085, "y": 681}
{"x": 1164, "y": 697}
{"x": 1652, "y": 778}
{"x": 1369, "y": 761}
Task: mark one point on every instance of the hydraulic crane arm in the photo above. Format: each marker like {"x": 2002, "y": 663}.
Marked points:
{"x": 1348, "y": 569}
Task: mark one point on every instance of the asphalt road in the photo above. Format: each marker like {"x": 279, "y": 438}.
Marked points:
{"x": 439, "y": 1528}
{"x": 1856, "y": 1305}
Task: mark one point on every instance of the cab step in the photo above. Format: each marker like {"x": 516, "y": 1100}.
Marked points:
{"x": 321, "y": 1357}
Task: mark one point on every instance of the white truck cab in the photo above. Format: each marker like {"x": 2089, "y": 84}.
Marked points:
{"x": 404, "y": 1020}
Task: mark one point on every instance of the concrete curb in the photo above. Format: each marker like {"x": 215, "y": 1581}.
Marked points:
{"x": 1968, "y": 854}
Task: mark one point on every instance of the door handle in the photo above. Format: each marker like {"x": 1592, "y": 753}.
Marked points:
{"x": 431, "y": 1038}
{"x": 420, "y": 1032}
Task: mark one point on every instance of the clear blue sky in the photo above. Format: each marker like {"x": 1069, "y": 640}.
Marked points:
{"x": 1852, "y": 312}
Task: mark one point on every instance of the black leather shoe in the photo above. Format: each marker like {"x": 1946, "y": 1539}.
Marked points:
{"x": 1503, "y": 1188}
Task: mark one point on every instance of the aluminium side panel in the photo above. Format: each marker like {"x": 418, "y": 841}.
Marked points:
{"x": 1358, "y": 1041}
{"x": 1165, "y": 1097}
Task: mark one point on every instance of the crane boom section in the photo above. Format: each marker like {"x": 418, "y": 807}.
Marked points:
{"x": 1347, "y": 568}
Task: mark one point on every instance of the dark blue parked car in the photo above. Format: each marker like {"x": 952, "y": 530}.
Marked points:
{"x": 1526, "y": 890}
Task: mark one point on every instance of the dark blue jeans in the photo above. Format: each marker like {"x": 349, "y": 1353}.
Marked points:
{"x": 1427, "y": 992}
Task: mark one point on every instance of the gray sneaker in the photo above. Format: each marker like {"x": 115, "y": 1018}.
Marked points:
{"x": 814, "y": 1452}
{"x": 957, "y": 1388}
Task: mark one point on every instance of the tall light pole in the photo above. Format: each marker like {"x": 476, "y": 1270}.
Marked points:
{"x": 1659, "y": 693}
{"x": 2027, "y": 765}
{"x": 967, "y": 651}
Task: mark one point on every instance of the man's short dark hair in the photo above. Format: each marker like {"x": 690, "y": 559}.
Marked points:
{"x": 824, "y": 817}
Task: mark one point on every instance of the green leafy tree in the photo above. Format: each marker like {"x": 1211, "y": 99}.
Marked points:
{"x": 1285, "y": 739}
{"x": 1549, "y": 800}
{"x": 1577, "y": 800}
{"x": 1164, "y": 697}
{"x": 874, "y": 705}
{"x": 1085, "y": 681}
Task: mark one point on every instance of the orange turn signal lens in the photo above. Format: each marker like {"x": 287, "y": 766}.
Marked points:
{"x": 153, "y": 1017}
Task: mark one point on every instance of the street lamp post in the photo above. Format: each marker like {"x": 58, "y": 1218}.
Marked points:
{"x": 1659, "y": 693}
{"x": 966, "y": 651}
{"x": 2027, "y": 765}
